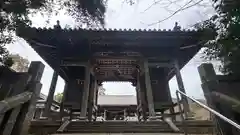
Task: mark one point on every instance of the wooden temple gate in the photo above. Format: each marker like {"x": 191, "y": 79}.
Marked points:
{"x": 86, "y": 58}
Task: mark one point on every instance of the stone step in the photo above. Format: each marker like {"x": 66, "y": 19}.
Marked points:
{"x": 118, "y": 134}
{"x": 193, "y": 127}
{"x": 135, "y": 128}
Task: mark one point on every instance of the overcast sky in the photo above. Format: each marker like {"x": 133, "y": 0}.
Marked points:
{"x": 138, "y": 16}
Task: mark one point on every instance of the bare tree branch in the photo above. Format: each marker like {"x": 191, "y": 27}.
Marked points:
{"x": 157, "y": 2}
{"x": 174, "y": 2}
{"x": 184, "y": 7}
{"x": 154, "y": 3}
{"x": 169, "y": 10}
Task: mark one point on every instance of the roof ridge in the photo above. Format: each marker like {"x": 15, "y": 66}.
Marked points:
{"x": 118, "y": 29}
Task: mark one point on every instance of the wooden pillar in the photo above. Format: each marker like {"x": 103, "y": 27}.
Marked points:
{"x": 50, "y": 96}
{"x": 138, "y": 93}
{"x": 63, "y": 99}
{"x": 143, "y": 96}
{"x": 96, "y": 100}
{"x": 138, "y": 96}
{"x": 137, "y": 88}
{"x": 95, "y": 93}
{"x": 84, "y": 105}
{"x": 105, "y": 115}
{"x": 181, "y": 87}
{"x": 149, "y": 90}
{"x": 139, "y": 105}
{"x": 91, "y": 99}
{"x": 172, "y": 110}
{"x": 125, "y": 114}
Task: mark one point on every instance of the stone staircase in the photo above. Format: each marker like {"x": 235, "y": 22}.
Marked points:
{"x": 82, "y": 127}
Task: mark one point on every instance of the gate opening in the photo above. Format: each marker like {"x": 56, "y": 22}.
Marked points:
{"x": 117, "y": 101}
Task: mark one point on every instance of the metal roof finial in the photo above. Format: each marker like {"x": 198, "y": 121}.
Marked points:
{"x": 58, "y": 22}
{"x": 57, "y": 26}
{"x": 177, "y": 27}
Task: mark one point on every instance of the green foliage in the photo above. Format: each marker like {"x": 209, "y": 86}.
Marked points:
{"x": 58, "y": 97}
{"x": 225, "y": 28}
{"x": 18, "y": 63}
{"x": 90, "y": 12}
{"x": 16, "y": 12}
{"x": 4, "y": 56}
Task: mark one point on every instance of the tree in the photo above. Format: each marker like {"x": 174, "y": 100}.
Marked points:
{"x": 58, "y": 97}
{"x": 15, "y": 13}
{"x": 224, "y": 27}
{"x": 19, "y": 63}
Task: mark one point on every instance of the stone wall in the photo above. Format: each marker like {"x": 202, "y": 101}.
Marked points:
{"x": 226, "y": 85}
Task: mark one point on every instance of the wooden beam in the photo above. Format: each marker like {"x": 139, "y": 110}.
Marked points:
{"x": 73, "y": 63}
{"x": 50, "y": 94}
{"x": 124, "y": 34}
{"x": 40, "y": 44}
{"x": 159, "y": 64}
{"x": 142, "y": 43}
{"x": 189, "y": 46}
{"x": 128, "y": 58}
{"x": 114, "y": 65}
{"x": 14, "y": 101}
